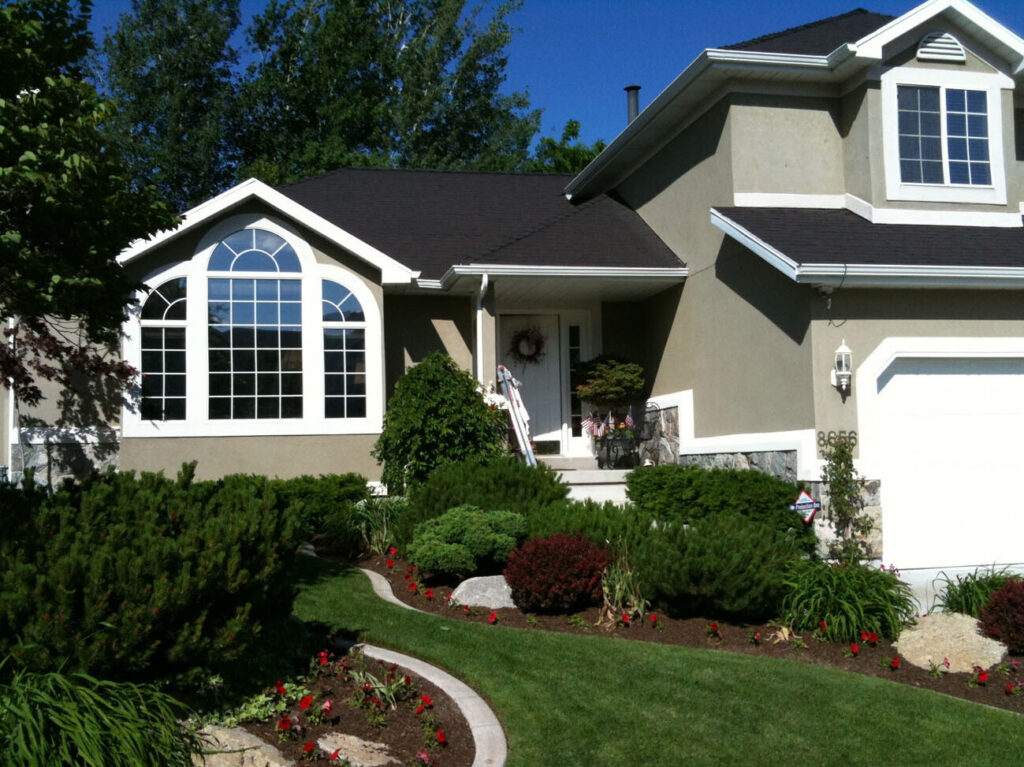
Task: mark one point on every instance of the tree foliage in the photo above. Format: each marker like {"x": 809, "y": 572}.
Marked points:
{"x": 414, "y": 83}
{"x": 569, "y": 155}
{"x": 169, "y": 68}
{"x": 66, "y": 211}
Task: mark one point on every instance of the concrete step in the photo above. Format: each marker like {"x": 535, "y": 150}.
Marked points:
{"x": 568, "y": 463}
{"x": 596, "y": 484}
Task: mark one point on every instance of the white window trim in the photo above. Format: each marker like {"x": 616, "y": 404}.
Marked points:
{"x": 992, "y": 84}
{"x": 197, "y": 422}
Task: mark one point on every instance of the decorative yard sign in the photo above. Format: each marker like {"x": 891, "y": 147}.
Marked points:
{"x": 805, "y": 506}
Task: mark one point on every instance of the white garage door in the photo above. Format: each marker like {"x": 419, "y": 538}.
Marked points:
{"x": 951, "y": 442}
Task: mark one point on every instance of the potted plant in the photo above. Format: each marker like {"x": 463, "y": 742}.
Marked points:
{"x": 612, "y": 384}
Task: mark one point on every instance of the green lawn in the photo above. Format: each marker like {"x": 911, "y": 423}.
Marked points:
{"x": 572, "y": 700}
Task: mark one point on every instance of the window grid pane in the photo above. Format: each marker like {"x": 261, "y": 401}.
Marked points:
{"x": 163, "y": 354}
{"x": 920, "y": 135}
{"x": 967, "y": 137}
{"x": 575, "y": 406}
{"x": 255, "y": 360}
{"x": 344, "y": 353}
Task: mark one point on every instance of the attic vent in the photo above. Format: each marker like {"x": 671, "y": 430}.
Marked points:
{"x": 941, "y": 46}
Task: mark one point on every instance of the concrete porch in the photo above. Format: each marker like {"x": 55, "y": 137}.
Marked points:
{"x": 586, "y": 481}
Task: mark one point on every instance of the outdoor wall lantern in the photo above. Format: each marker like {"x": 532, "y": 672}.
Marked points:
{"x": 842, "y": 372}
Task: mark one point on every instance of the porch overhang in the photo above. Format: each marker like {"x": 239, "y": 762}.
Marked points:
{"x": 552, "y": 285}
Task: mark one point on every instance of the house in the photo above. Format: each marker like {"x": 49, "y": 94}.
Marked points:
{"x": 809, "y": 236}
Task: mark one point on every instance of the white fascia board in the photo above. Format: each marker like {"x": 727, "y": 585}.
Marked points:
{"x": 392, "y": 272}
{"x": 872, "y": 275}
{"x": 577, "y": 272}
{"x": 749, "y": 240}
{"x": 871, "y": 46}
{"x": 784, "y": 200}
{"x": 919, "y": 217}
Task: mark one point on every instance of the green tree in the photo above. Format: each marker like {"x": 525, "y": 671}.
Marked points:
{"x": 407, "y": 83}
{"x": 168, "y": 66}
{"x": 66, "y": 211}
{"x": 435, "y": 416}
{"x": 570, "y": 155}
{"x": 846, "y": 505}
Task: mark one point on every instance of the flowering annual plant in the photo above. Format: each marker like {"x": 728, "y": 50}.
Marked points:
{"x": 978, "y": 678}
{"x": 391, "y": 563}
{"x": 441, "y": 739}
{"x": 279, "y": 688}
{"x": 428, "y": 594}
{"x": 712, "y": 630}
{"x": 285, "y": 730}
{"x": 890, "y": 663}
{"x": 307, "y": 752}
{"x": 493, "y": 617}
{"x": 425, "y": 702}
{"x": 306, "y": 702}
{"x": 1014, "y": 688}
{"x": 624, "y": 620}
{"x": 655, "y": 623}
{"x": 754, "y": 637}
{"x": 392, "y": 551}
{"x": 852, "y": 651}
{"x": 870, "y": 637}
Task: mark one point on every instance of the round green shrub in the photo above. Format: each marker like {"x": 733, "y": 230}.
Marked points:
{"x": 606, "y": 524}
{"x": 1003, "y": 617}
{"x": 849, "y": 598}
{"x": 685, "y": 494}
{"x": 556, "y": 574}
{"x": 466, "y": 540}
{"x": 500, "y": 483}
{"x": 317, "y": 498}
{"x": 435, "y": 416}
{"x": 724, "y": 564}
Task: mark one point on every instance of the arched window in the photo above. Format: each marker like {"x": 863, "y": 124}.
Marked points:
{"x": 255, "y": 328}
{"x": 163, "y": 352}
{"x": 344, "y": 353}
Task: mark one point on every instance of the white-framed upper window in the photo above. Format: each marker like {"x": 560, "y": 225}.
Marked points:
{"x": 273, "y": 339}
{"x": 943, "y": 135}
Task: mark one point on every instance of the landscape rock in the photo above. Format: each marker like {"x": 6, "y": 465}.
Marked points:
{"x": 237, "y": 748}
{"x": 949, "y": 635}
{"x": 489, "y": 591}
{"x": 358, "y": 752}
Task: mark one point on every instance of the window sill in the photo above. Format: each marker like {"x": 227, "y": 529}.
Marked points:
{"x": 986, "y": 195}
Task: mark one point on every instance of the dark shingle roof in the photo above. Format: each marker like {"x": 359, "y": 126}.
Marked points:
{"x": 812, "y": 236}
{"x": 430, "y": 220}
{"x": 819, "y": 38}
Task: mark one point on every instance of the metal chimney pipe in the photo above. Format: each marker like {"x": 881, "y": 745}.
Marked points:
{"x": 632, "y": 102}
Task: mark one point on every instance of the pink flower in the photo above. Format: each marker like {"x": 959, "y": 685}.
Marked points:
{"x": 327, "y": 707}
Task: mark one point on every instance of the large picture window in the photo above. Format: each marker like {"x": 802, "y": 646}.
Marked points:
{"x": 270, "y": 338}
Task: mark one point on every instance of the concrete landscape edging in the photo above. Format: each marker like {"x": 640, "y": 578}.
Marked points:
{"x": 488, "y": 736}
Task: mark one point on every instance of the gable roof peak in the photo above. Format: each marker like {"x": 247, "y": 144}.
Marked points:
{"x": 819, "y": 37}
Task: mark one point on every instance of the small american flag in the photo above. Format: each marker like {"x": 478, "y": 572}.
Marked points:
{"x": 606, "y": 425}
{"x": 629, "y": 418}
{"x": 589, "y": 424}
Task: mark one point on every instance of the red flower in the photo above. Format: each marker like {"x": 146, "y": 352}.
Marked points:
{"x": 285, "y": 723}
{"x": 625, "y": 619}
{"x": 714, "y": 627}
{"x": 895, "y": 663}
{"x": 408, "y": 680}
{"x": 465, "y": 609}
{"x": 982, "y": 677}
{"x": 448, "y": 598}
{"x": 854, "y": 648}
{"x": 392, "y": 551}
{"x": 654, "y": 619}
{"x": 323, "y": 657}
{"x": 310, "y": 745}
{"x": 426, "y": 700}
{"x": 1009, "y": 688}
{"x": 306, "y": 702}
{"x": 821, "y": 625}
{"x": 493, "y": 618}
{"x": 412, "y": 585}
{"x": 334, "y": 754}
{"x": 429, "y": 594}
{"x": 279, "y": 688}
{"x": 391, "y": 563}
{"x": 441, "y": 738}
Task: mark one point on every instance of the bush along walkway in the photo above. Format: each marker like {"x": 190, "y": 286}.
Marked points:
{"x": 999, "y": 684}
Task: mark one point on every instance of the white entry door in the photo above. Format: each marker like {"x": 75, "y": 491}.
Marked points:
{"x": 538, "y": 370}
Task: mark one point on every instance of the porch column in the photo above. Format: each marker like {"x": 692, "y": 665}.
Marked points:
{"x": 486, "y": 328}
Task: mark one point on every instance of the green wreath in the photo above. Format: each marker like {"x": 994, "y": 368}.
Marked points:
{"x": 527, "y": 346}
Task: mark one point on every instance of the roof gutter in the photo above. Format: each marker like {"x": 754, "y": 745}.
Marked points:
{"x": 578, "y": 272}
{"x": 872, "y": 275}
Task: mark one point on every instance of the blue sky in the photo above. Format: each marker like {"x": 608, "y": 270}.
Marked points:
{"x": 574, "y": 57}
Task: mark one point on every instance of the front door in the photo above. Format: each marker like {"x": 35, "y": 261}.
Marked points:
{"x": 529, "y": 346}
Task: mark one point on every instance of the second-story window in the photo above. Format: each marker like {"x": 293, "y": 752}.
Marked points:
{"x": 943, "y": 136}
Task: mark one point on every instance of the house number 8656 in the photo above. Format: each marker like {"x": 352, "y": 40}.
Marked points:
{"x": 830, "y": 438}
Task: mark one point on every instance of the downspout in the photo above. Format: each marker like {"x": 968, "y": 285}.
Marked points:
{"x": 480, "y": 328}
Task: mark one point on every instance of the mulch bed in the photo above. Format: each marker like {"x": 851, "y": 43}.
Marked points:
{"x": 409, "y": 736}
{"x": 753, "y": 639}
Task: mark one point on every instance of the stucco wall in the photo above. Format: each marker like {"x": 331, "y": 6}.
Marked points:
{"x": 415, "y": 326}
{"x": 865, "y": 318}
{"x": 273, "y": 456}
{"x": 786, "y": 144}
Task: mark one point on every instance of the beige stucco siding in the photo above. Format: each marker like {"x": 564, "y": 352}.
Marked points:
{"x": 415, "y": 326}
{"x": 786, "y": 144}
{"x": 865, "y": 318}
{"x": 273, "y": 456}
{"x": 861, "y": 142}
{"x": 5, "y": 432}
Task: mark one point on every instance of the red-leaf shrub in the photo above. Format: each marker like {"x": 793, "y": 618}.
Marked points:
{"x": 556, "y": 574}
{"x": 1003, "y": 617}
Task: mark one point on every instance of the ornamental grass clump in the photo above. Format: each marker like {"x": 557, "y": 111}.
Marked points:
{"x": 1003, "y": 617}
{"x": 466, "y": 540}
{"x": 64, "y": 719}
{"x": 556, "y": 574}
{"x": 970, "y": 593}
{"x": 851, "y": 600}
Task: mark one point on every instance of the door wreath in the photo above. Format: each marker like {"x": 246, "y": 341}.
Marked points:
{"x": 527, "y": 346}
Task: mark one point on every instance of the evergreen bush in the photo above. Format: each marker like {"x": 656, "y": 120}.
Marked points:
{"x": 606, "y": 524}
{"x": 849, "y": 598}
{"x": 683, "y": 494}
{"x": 1003, "y": 617}
{"x": 724, "y": 564}
{"x": 501, "y": 483}
{"x": 142, "y": 577}
{"x": 466, "y": 540}
{"x": 75, "y": 719}
{"x": 318, "y": 498}
{"x": 556, "y": 574}
{"x": 435, "y": 416}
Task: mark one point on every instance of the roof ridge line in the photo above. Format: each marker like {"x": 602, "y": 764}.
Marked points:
{"x": 800, "y": 27}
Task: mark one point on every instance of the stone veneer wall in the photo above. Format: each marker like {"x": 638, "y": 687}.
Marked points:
{"x": 783, "y": 464}
{"x": 662, "y": 446}
{"x": 53, "y": 462}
